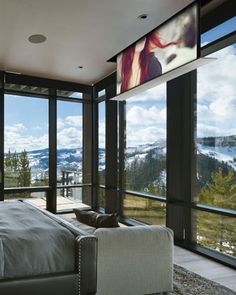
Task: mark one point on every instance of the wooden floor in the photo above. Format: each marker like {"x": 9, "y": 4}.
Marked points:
{"x": 206, "y": 268}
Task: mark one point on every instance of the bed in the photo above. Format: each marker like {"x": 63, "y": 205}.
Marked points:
{"x": 42, "y": 254}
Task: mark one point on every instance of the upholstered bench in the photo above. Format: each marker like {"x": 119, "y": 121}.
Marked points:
{"x": 134, "y": 260}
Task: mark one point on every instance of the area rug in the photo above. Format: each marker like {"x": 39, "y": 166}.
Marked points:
{"x": 189, "y": 283}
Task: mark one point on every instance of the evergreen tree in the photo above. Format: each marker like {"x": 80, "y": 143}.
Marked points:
{"x": 24, "y": 170}
{"x": 11, "y": 169}
{"x": 221, "y": 191}
{"x": 217, "y": 231}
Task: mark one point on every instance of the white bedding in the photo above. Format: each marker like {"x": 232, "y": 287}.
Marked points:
{"x": 31, "y": 243}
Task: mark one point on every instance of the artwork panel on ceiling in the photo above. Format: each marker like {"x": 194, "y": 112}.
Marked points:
{"x": 164, "y": 49}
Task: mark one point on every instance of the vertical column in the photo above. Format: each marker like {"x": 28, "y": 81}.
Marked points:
{"x": 111, "y": 173}
{"x": 52, "y": 195}
{"x": 122, "y": 147}
{"x": 1, "y": 136}
{"x": 181, "y": 93}
{"x": 88, "y": 150}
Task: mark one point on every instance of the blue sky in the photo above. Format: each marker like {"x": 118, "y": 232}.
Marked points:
{"x": 26, "y": 119}
{"x": 219, "y": 31}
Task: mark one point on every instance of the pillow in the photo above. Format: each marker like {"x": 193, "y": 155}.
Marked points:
{"x": 97, "y": 220}
{"x": 106, "y": 220}
{"x": 86, "y": 217}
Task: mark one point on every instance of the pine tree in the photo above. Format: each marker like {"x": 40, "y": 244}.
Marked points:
{"x": 24, "y": 170}
{"x": 217, "y": 231}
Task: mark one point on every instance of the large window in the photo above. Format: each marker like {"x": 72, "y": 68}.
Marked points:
{"x": 69, "y": 153}
{"x": 145, "y": 156}
{"x": 146, "y": 142}
{"x": 26, "y": 141}
{"x": 101, "y": 143}
{"x": 216, "y": 150}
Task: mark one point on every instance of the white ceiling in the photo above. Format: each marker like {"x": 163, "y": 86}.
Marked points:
{"x": 79, "y": 32}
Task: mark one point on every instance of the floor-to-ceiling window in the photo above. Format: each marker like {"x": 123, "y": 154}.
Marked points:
{"x": 145, "y": 156}
{"x": 26, "y": 160}
{"x": 69, "y": 153}
{"x": 215, "y": 142}
{"x": 43, "y": 142}
{"x": 101, "y": 151}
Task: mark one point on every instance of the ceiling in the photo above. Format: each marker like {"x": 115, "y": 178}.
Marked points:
{"x": 79, "y": 33}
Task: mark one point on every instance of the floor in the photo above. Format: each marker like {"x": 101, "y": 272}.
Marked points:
{"x": 205, "y": 267}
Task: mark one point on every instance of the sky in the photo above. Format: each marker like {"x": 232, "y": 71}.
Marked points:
{"x": 26, "y": 119}
{"x": 26, "y": 123}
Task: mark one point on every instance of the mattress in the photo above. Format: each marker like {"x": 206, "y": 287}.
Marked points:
{"x": 32, "y": 243}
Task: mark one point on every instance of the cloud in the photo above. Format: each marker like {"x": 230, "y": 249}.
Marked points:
{"x": 145, "y": 125}
{"x": 18, "y": 142}
{"x": 15, "y": 128}
{"x": 101, "y": 134}
{"x": 75, "y": 121}
{"x": 60, "y": 123}
{"x": 146, "y": 135}
{"x": 216, "y": 80}
{"x": 205, "y": 130}
{"x": 69, "y": 138}
{"x": 138, "y": 115}
{"x": 216, "y": 95}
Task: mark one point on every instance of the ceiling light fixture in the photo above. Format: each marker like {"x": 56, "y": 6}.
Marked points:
{"x": 37, "y": 38}
{"x": 143, "y": 16}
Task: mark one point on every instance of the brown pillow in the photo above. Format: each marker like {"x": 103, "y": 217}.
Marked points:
{"x": 86, "y": 217}
{"x": 106, "y": 220}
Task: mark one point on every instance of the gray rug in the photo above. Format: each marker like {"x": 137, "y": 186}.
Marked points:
{"x": 189, "y": 283}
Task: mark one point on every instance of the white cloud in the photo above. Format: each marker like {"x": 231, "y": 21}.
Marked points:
{"x": 60, "y": 123}
{"x": 145, "y": 125}
{"x": 138, "y": 115}
{"x": 150, "y": 134}
{"x": 205, "y": 130}
{"x": 101, "y": 134}
{"x": 216, "y": 95}
{"x": 75, "y": 121}
{"x": 15, "y": 128}
{"x": 216, "y": 80}
{"x": 69, "y": 138}
{"x": 17, "y": 142}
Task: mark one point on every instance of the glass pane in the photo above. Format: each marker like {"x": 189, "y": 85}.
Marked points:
{"x": 26, "y": 141}
{"x": 26, "y": 88}
{"x": 36, "y": 198}
{"x": 69, "y": 143}
{"x": 101, "y": 192}
{"x": 145, "y": 210}
{"x": 102, "y": 93}
{"x": 146, "y": 142}
{"x": 216, "y": 131}
{"x": 69, "y": 153}
{"x": 69, "y": 198}
{"x": 218, "y": 31}
{"x": 216, "y": 231}
{"x": 101, "y": 142}
{"x": 71, "y": 94}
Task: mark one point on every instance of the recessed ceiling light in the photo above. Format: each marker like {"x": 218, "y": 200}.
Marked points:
{"x": 143, "y": 16}
{"x": 80, "y": 67}
{"x": 37, "y": 38}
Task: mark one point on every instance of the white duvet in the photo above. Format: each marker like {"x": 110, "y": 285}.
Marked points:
{"x": 31, "y": 243}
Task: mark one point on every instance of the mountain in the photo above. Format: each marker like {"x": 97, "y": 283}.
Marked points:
{"x": 220, "y": 149}
{"x": 69, "y": 160}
